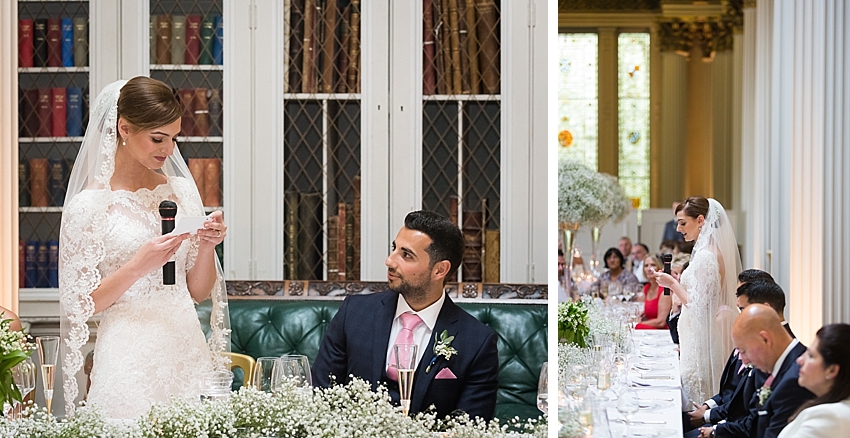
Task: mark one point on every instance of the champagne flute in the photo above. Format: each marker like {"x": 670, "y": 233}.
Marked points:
{"x": 262, "y": 377}
{"x": 48, "y": 354}
{"x": 405, "y": 363}
{"x": 543, "y": 389}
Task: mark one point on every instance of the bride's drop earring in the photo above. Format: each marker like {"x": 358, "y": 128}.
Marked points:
{"x": 123, "y": 142}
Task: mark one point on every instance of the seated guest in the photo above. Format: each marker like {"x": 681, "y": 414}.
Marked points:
{"x": 731, "y": 405}
{"x": 825, "y": 371}
{"x": 680, "y": 263}
{"x": 762, "y": 340}
{"x": 359, "y": 340}
{"x": 15, "y": 324}
{"x": 616, "y": 272}
{"x": 752, "y": 275}
{"x": 656, "y": 305}
{"x": 639, "y": 252}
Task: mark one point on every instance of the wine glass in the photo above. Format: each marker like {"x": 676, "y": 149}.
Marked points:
{"x": 296, "y": 368}
{"x": 543, "y": 389}
{"x": 405, "y": 363}
{"x": 261, "y": 379}
{"x": 628, "y": 405}
{"x": 48, "y": 354}
{"x": 24, "y": 377}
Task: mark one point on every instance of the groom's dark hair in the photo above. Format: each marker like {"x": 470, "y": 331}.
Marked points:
{"x": 763, "y": 292}
{"x": 446, "y": 238}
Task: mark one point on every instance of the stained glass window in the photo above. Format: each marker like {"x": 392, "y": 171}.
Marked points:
{"x": 633, "y": 115}
{"x": 578, "y": 97}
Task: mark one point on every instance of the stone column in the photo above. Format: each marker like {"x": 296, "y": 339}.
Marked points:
{"x": 609, "y": 146}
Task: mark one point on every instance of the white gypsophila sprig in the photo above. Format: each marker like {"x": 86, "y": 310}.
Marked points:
{"x": 587, "y": 197}
{"x": 569, "y": 425}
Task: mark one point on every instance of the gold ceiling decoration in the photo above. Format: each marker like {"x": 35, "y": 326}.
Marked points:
{"x": 565, "y": 6}
{"x": 710, "y": 30}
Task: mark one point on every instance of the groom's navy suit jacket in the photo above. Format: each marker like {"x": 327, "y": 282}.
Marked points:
{"x": 356, "y": 342}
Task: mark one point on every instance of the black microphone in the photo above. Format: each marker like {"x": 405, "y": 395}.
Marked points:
{"x": 167, "y": 210}
{"x": 666, "y": 260}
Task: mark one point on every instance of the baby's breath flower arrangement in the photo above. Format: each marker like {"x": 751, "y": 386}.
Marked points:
{"x": 587, "y": 197}
{"x": 572, "y": 323}
{"x": 13, "y": 350}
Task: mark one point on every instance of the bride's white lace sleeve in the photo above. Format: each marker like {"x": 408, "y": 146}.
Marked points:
{"x": 81, "y": 250}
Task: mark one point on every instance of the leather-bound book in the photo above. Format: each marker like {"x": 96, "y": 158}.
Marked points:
{"x": 454, "y": 44}
{"x": 22, "y": 265}
{"x": 81, "y": 41}
{"x": 342, "y": 241}
{"x": 193, "y": 39}
{"x": 187, "y": 98}
{"x": 52, "y": 263}
{"x": 290, "y": 235}
{"x": 54, "y": 42}
{"x": 471, "y": 48}
{"x": 453, "y": 218}
{"x": 349, "y": 240}
{"x": 58, "y": 176}
{"x": 152, "y": 39}
{"x": 201, "y": 110}
{"x": 355, "y": 271}
{"x": 333, "y": 253}
{"x": 308, "y": 44}
{"x": 23, "y": 183}
{"x": 29, "y": 113}
{"x": 287, "y": 34}
{"x": 429, "y": 75}
{"x": 342, "y": 50}
{"x": 215, "y": 113}
{"x": 310, "y": 236}
{"x": 67, "y": 42}
{"x": 42, "y": 261}
{"x": 296, "y": 43}
{"x": 25, "y": 42}
{"x": 44, "y": 110}
{"x": 197, "y": 167}
{"x": 163, "y": 39}
{"x": 491, "y": 256}
{"x": 329, "y": 46}
{"x": 354, "y": 49}
{"x": 212, "y": 182}
{"x": 74, "y": 106}
{"x": 472, "y": 242}
{"x": 443, "y": 46}
{"x": 59, "y": 112}
{"x": 39, "y": 44}
{"x": 39, "y": 179}
{"x": 207, "y": 33}
{"x": 488, "y": 57}
{"x": 178, "y": 39}
{"x": 31, "y": 264}
{"x": 218, "y": 40}
{"x": 463, "y": 36}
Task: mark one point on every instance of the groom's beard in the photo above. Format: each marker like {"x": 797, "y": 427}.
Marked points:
{"x": 411, "y": 292}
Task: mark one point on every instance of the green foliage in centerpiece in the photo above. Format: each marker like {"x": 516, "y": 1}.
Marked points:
{"x": 13, "y": 350}
{"x": 587, "y": 197}
{"x": 572, "y": 323}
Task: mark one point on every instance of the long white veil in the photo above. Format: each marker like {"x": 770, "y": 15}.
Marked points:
{"x": 93, "y": 169}
{"x": 717, "y": 236}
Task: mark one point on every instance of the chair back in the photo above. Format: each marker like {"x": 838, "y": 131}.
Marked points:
{"x": 243, "y": 362}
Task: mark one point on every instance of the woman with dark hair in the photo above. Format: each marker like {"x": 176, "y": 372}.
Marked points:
{"x": 616, "y": 271}
{"x": 825, "y": 371}
{"x": 150, "y": 347}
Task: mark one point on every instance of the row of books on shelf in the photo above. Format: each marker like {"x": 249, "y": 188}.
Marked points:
{"x": 322, "y": 48}
{"x": 39, "y": 263}
{"x": 480, "y": 261}
{"x": 201, "y": 112}
{"x": 186, "y": 39}
{"x": 53, "y": 42}
{"x": 460, "y": 47}
{"x": 207, "y": 175}
{"x": 52, "y": 112}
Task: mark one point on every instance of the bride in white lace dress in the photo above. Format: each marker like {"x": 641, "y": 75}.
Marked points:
{"x": 707, "y": 292}
{"x": 150, "y": 346}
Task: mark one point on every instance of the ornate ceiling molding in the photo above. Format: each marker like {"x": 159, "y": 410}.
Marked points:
{"x": 707, "y": 27}
{"x": 567, "y": 6}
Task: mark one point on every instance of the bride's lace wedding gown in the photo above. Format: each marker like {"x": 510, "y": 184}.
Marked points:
{"x": 150, "y": 346}
{"x": 701, "y": 345}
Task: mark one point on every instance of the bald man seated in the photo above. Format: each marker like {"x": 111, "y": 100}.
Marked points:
{"x": 763, "y": 341}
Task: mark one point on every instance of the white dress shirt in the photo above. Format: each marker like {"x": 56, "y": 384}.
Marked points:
{"x": 422, "y": 332}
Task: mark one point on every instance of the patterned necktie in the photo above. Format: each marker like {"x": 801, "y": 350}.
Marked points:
{"x": 409, "y": 322}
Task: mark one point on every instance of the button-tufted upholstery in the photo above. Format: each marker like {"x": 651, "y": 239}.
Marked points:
{"x": 277, "y": 327}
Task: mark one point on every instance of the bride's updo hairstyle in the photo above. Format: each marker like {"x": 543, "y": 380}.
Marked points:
{"x": 694, "y": 206}
{"x": 147, "y": 103}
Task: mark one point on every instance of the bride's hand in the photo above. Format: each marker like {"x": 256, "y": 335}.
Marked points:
{"x": 664, "y": 280}
{"x": 214, "y": 229}
{"x": 156, "y": 252}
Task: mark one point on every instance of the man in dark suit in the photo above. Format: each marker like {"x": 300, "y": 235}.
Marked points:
{"x": 762, "y": 340}
{"x": 670, "y": 234}
{"x": 359, "y": 339}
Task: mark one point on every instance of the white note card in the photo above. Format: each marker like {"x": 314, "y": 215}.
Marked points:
{"x": 189, "y": 224}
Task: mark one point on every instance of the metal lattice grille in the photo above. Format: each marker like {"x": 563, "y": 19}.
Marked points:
{"x": 53, "y": 111}
{"x": 461, "y": 118}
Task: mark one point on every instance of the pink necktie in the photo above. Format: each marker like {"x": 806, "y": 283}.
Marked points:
{"x": 768, "y": 382}
{"x": 409, "y": 322}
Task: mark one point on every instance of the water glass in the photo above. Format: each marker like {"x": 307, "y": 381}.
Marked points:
{"x": 216, "y": 385}
{"x": 543, "y": 389}
{"x": 628, "y": 405}
{"x": 261, "y": 379}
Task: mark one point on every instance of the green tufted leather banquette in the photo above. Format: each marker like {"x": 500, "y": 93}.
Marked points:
{"x": 262, "y": 327}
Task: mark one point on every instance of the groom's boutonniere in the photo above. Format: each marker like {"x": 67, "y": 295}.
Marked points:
{"x": 763, "y": 393}
{"x": 442, "y": 347}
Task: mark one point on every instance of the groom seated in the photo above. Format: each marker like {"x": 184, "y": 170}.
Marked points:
{"x": 462, "y": 374}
